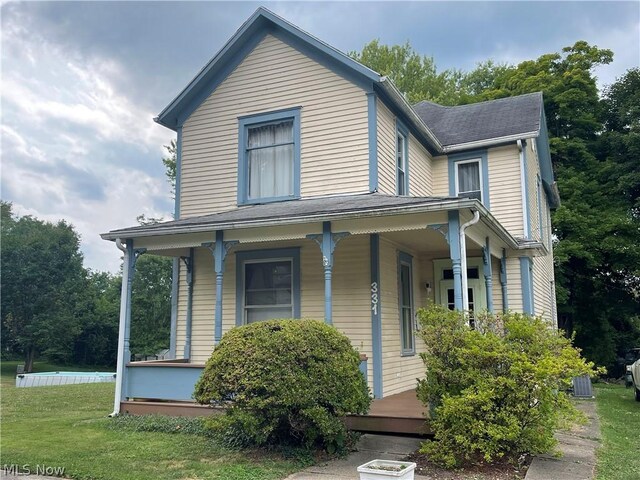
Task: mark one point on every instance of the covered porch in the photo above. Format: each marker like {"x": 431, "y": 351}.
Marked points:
{"x": 363, "y": 263}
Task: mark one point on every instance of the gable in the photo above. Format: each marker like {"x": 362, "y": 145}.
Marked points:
{"x": 261, "y": 23}
{"x": 274, "y": 76}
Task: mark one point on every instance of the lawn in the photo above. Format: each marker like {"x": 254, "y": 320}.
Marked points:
{"x": 67, "y": 426}
{"x": 618, "y": 457}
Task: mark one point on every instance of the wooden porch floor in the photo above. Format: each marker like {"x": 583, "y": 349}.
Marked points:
{"x": 400, "y": 413}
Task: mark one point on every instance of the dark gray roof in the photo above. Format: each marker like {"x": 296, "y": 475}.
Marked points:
{"x": 482, "y": 121}
{"x": 288, "y": 210}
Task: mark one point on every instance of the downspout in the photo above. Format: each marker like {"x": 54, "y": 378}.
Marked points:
{"x": 463, "y": 259}
{"x": 121, "y": 329}
{"x": 523, "y": 188}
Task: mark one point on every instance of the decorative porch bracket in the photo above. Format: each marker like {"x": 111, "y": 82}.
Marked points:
{"x": 488, "y": 274}
{"x": 503, "y": 280}
{"x": 441, "y": 228}
{"x": 454, "y": 253}
{"x": 327, "y": 242}
{"x": 219, "y": 250}
{"x": 131, "y": 258}
{"x": 188, "y": 262}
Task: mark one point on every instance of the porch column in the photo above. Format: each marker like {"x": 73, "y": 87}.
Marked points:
{"x": 188, "y": 262}
{"x": 503, "y": 280}
{"x": 454, "y": 252}
{"x": 219, "y": 250}
{"x": 488, "y": 274}
{"x": 124, "y": 353}
{"x": 327, "y": 243}
{"x": 376, "y": 314}
{"x": 175, "y": 276}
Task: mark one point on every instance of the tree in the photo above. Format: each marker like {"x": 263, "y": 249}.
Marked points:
{"x": 594, "y": 148}
{"x": 96, "y": 344}
{"x": 151, "y": 305}
{"x": 414, "y": 75}
{"x": 170, "y": 163}
{"x": 42, "y": 284}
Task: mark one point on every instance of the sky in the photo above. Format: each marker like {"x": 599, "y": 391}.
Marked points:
{"x": 82, "y": 81}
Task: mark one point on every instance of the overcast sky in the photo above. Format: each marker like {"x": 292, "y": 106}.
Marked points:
{"x": 81, "y": 83}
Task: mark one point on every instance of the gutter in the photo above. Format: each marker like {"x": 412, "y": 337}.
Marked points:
{"x": 496, "y": 227}
{"x": 121, "y": 331}
{"x": 488, "y": 142}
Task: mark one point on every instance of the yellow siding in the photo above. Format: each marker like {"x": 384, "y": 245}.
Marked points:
{"x": 440, "y": 167}
{"x": 497, "y": 286}
{"x": 351, "y": 313}
{"x": 334, "y": 129}
{"x": 514, "y": 285}
{"x": 420, "y": 175}
{"x": 398, "y": 373}
{"x": 386, "y": 133}
{"x": 505, "y": 193}
{"x": 533, "y": 171}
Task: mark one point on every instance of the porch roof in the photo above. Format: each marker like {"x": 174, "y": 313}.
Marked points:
{"x": 318, "y": 209}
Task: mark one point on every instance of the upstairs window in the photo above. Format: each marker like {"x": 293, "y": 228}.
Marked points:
{"x": 269, "y": 157}
{"x": 468, "y": 179}
{"x": 402, "y": 167}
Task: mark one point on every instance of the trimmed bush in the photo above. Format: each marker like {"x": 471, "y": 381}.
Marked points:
{"x": 498, "y": 390}
{"x": 284, "y": 382}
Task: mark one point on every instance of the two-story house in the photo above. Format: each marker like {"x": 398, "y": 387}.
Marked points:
{"x": 308, "y": 187}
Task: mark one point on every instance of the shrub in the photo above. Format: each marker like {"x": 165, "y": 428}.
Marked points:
{"x": 284, "y": 382}
{"x": 498, "y": 390}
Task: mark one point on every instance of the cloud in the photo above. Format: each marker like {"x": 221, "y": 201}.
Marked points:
{"x": 74, "y": 145}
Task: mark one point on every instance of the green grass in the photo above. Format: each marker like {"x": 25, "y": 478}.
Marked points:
{"x": 66, "y": 426}
{"x": 618, "y": 457}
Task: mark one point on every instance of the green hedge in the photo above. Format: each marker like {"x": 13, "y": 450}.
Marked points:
{"x": 284, "y": 382}
{"x": 498, "y": 390}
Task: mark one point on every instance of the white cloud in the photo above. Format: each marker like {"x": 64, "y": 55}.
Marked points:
{"x": 73, "y": 146}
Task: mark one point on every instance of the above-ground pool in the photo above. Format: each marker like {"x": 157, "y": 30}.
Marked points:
{"x": 62, "y": 378}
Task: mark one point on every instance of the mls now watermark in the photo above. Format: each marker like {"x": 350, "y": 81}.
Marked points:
{"x": 27, "y": 469}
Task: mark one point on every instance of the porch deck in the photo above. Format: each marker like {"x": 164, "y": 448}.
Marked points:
{"x": 400, "y": 413}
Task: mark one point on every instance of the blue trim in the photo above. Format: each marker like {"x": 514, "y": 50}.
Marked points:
{"x": 376, "y": 314}
{"x": 175, "y": 277}
{"x": 196, "y": 96}
{"x": 413, "y": 129}
{"x": 503, "y": 280}
{"x": 335, "y": 65}
{"x": 525, "y": 176}
{"x": 481, "y": 154}
{"x": 454, "y": 253}
{"x": 162, "y": 382}
{"x": 406, "y": 259}
{"x": 327, "y": 242}
{"x": 372, "y": 115}
{"x": 238, "y": 47}
{"x": 544, "y": 156}
{"x": 219, "y": 250}
{"x": 188, "y": 261}
{"x": 401, "y": 129}
{"x": 247, "y": 255}
{"x": 247, "y": 121}
{"x": 178, "y": 189}
{"x": 488, "y": 274}
{"x": 363, "y": 370}
{"x": 539, "y": 204}
{"x": 526, "y": 279}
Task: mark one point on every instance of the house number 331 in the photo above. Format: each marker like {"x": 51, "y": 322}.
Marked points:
{"x": 374, "y": 297}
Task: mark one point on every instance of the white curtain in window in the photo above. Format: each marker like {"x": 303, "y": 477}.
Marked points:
{"x": 469, "y": 178}
{"x": 271, "y": 160}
